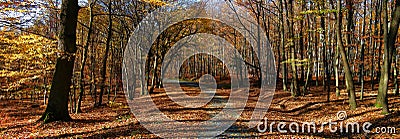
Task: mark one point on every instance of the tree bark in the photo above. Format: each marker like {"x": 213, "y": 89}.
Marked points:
{"x": 348, "y": 74}
{"x": 389, "y": 36}
{"x": 396, "y": 73}
{"x": 295, "y": 86}
{"x": 108, "y": 45}
{"x": 84, "y": 57}
{"x": 362, "y": 51}
{"x": 325, "y": 59}
{"x": 57, "y": 107}
{"x": 282, "y": 43}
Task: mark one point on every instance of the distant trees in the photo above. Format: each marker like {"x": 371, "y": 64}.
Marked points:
{"x": 292, "y": 45}
{"x": 355, "y": 49}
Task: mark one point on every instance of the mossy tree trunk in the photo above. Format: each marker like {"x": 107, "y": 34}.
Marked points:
{"x": 389, "y": 36}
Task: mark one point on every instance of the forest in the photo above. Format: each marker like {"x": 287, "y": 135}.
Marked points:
{"x": 199, "y": 68}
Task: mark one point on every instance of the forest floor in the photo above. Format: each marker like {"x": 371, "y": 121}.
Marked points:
{"x": 18, "y": 117}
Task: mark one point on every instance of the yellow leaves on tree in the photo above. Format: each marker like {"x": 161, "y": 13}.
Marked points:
{"x": 155, "y": 2}
{"x": 25, "y": 47}
{"x": 23, "y": 56}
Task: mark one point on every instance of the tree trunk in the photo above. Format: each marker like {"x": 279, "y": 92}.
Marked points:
{"x": 301, "y": 45}
{"x": 348, "y": 75}
{"x": 153, "y": 77}
{"x": 376, "y": 34}
{"x": 282, "y": 43}
{"x": 337, "y": 71}
{"x": 325, "y": 59}
{"x": 93, "y": 87}
{"x": 295, "y": 85}
{"x": 389, "y": 36}
{"x": 57, "y": 107}
{"x": 350, "y": 33}
{"x": 396, "y": 73}
{"x": 362, "y": 52}
{"x": 84, "y": 57}
{"x": 108, "y": 45}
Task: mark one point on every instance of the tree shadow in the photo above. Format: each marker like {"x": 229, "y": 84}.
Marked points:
{"x": 88, "y": 121}
{"x": 18, "y": 126}
{"x": 118, "y": 131}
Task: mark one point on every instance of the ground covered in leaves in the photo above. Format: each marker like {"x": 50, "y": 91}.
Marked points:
{"x": 114, "y": 119}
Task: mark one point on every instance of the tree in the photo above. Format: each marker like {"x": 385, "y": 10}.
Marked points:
{"x": 361, "y": 74}
{"x": 348, "y": 75}
{"x": 290, "y": 13}
{"x": 327, "y": 77}
{"x": 282, "y": 45}
{"x": 57, "y": 107}
{"x": 389, "y": 36}
{"x": 105, "y": 57}
{"x": 336, "y": 57}
{"x": 84, "y": 57}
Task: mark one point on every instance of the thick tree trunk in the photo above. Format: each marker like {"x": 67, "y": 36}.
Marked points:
{"x": 57, "y": 108}
{"x": 348, "y": 75}
{"x": 389, "y": 37}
